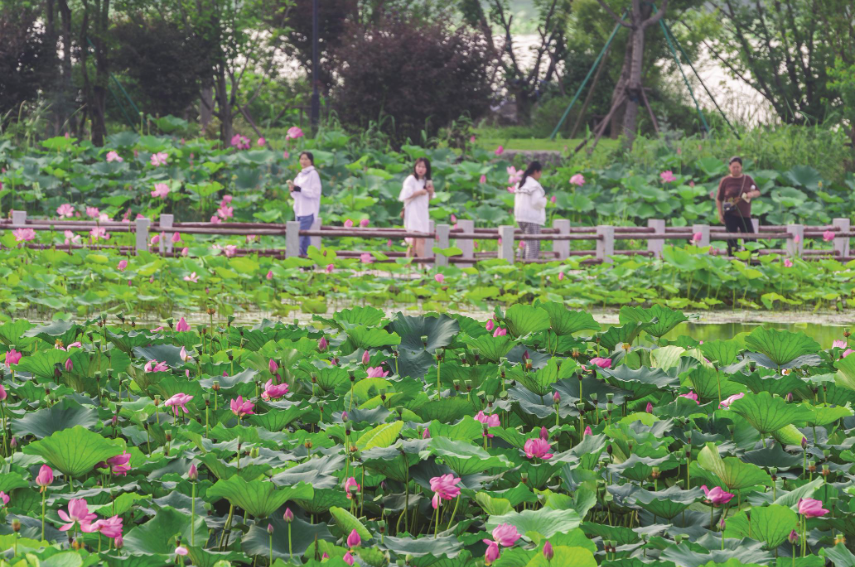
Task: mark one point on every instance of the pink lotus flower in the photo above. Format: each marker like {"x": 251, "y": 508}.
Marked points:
{"x": 505, "y": 535}
{"x": 78, "y": 514}
{"x": 13, "y": 357}
{"x": 4, "y": 498}
{"x": 185, "y": 251}
{"x": 491, "y": 420}
{"x": 500, "y": 332}
{"x": 329, "y": 269}
{"x": 691, "y": 396}
{"x": 839, "y": 344}
{"x": 492, "y": 552}
{"x": 182, "y": 354}
{"x": 260, "y": 142}
{"x": 717, "y": 495}
{"x": 514, "y": 176}
{"x": 439, "y": 278}
{"x": 363, "y": 223}
{"x": 241, "y": 407}
{"x": 269, "y": 275}
{"x": 240, "y": 142}
{"x": 114, "y": 156}
{"x": 24, "y": 234}
{"x": 65, "y": 210}
{"x": 560, "y": 276}
{"x": 548, "y": 552}
{"x": 366, "y": 258}
{"x": 119, "y": 465}
{"x": 483, "y": 179}
{"x": 99, "y": 233}
{"x": 649, "y": 408}
{"x": 69, "y": 366}
{"x": 179, "y": 400}
{"x": 366, "y": 357}
{"x": 577, "y": 180}
{"x": 537, "y": 448}
{"x": 602, "y": 362}
{"x": 490, "y": 325}
{"x": 511, "y": 189}
{"x": 182, "y": 325}
{"x": 797, "y": 239}
{"x": 788, "y": 263}
{"x": 445, "y": 488}
{"x": 544, "y": 432}
{"x": 426, "y": 434}
{"x": 122, "y": 265}
{"x": 667, "y": 176}
{"x": 846, "y": 353}
{"x": 587, "y": 431}
{"x": 811, "y": 508}
{"x": 215, "y": 220}
{"x": 294, "y": 132}
{"x": 472, "y": 139}
{"x": 552, "y": 199}
{"x": 499, "y": 151}
{"x": 348, "y": 223}
{"x": 377, "y": 372}
{"x": 176, "y": 237}
{"x": 192, "y": 278}
{"x": 93, "y": 212}
{"x": 225, "y": 212}
{"x": 70, "y": 237}
{"x": 154, "y": 240}
{"x": 556, "y": 398}
{"x": 45, "y": 477}
{"x": 348, "y": 558}
{"x": 697, "y": 237}
{"x": 159, "y": 159}
{"x": 226, "y": 200}
{"x": 111, "y": 528}
{"x": 353, "y": 540}
{"x": 726, "y": 402}
{"x": 155, "y": 366}
{"x": 323, "y": 344}
{"x": 350, "y": 482}
{"x": 181, "y": 550}
{"x": 828, "y": 236}
{"x": 272, "y": 392}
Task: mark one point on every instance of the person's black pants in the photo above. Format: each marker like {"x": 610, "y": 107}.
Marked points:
{"x": 735, "y": 223}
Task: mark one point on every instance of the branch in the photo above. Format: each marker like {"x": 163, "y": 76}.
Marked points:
{"x": 617, "y": 18}
{"x": 655, "y": 17}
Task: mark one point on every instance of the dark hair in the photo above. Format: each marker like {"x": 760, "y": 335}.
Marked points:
{"x": 308, "y": 155}
{"x": 533, "y": 167}
{"x": 733, "y": 159}
{"x": 425, "y": 161}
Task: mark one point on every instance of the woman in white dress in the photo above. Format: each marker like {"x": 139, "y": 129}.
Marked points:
{"x": 416, "y": 195}
{"x": 530, "y": 207}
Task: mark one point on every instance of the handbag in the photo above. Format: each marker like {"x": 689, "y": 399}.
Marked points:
{"x": 729, "y": 207}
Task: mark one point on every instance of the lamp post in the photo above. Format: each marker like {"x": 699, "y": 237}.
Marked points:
{"x": 316, "y": 103}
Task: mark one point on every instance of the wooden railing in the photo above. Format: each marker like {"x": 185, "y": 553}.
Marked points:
{"x": 463, "y": 235}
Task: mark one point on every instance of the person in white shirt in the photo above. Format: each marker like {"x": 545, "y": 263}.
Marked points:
{"x": 416, "y": 195}
{"x": 306, "y": 191}
{"x": 530, "y": 207}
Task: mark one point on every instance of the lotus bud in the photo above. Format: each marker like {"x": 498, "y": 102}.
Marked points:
{"x": 353, "y": 540}
{"x": 722, "y": 525}
{"x": 344, "y": 417}
{"x": 270, "y": 529}
{"x": 793, "y": 537}
{"x": 556, "y": 399}
{"x": 547, "y": 551}
{"x": 288, "y": 516}
{"x": 804, "y": 443}
{"x": 193, "y": 473}
{"x": 323, "y": 344}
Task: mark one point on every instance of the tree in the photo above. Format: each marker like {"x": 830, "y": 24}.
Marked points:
{"x": 784, "y": 48}
{"x": 523, "y": 84}
{"x": 421, "y": 75}
{"x": 26, "y": 57}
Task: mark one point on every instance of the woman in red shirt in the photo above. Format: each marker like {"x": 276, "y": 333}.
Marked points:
{"x": 733, "y": 201}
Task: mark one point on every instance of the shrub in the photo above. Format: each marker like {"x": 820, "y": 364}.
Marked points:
{"x": 410, "y": 78}
{"x": 27, "y": 60}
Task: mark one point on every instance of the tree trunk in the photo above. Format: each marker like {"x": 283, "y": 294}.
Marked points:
{"x": 98, "y": 97}
{"x": 224, "y": 107}
{"x": 630, "y": 118}
{"x": 206, "y": 103}
{"x": 63, "y": 107}
{"x": 623, "y": 81}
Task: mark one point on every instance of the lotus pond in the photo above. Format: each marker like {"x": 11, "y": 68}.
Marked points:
{"x": 532, "y": 439}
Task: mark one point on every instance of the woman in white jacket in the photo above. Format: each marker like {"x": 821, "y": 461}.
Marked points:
{"x": 530, "y": 207}
{"x": 306, "y": 191}
{"x": 416, "y": 195}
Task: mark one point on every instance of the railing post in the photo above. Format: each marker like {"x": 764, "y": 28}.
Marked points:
{"x": 19, "y": 218}
{"x": 795, "y": 248}
{"x": 656, "y": 246}
{"x": 704, "y": 231}
{"x": 605, "y": 243}
{"x": 561, "y": 247}
{"x": 292, "y": 239}
{"x": 430, "y": 242}
{"x": 466, "y": 246}
{"x": 166, "y": 239}
{"x": 316, "y": 240}
{"x": 841, "y": 243}
{"x": 756, "y": 224}
{"x": 142, "y": 234}
{"x": 506, "y": 243}
{"x": 442, "y": 231}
